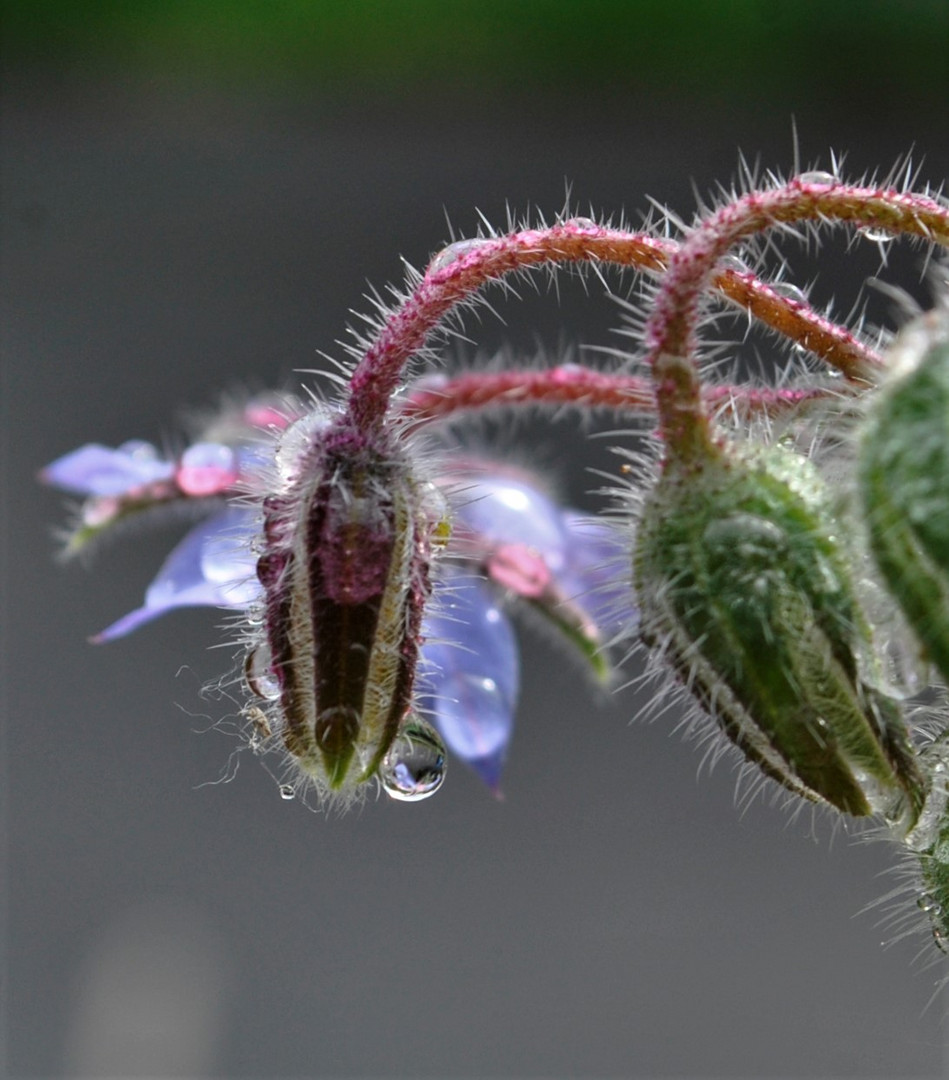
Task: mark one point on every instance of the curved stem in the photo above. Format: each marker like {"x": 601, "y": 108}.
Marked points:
{"x": 448, "y": 283}
{"x": 671, "y": 329}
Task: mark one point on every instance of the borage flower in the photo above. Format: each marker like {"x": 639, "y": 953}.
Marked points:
{"x": 509, "y": 544}
{"x": 512, "y": 542}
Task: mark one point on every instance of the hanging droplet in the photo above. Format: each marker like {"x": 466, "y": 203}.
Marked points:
{"x": 287, "y": 793}
{"x": 452, "y": 253}
{"x": 414, "y": 767}
{"x": 788, "y": 291}
{"x": 255, "y": 614}
{"x": 259, "y": 673}
{"x": 817, "y": 176}
{"x": 875, "y": 234}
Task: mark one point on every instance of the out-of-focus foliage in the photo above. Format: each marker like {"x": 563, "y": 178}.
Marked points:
{"x": 741, "y": 47}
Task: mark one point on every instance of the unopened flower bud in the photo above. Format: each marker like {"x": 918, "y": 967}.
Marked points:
{"x": 345, "y": 572}
{"x": 745, "y": 591}
{"x": 904, "y": 481}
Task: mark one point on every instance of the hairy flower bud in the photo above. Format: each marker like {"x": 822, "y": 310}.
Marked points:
{"x": 345, "y": 573}
{"x": 745, "y": 591}
{"x": 903, "y": 476}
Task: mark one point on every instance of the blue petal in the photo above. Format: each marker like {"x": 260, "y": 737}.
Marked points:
{"x": 470, "y": 675}
{"x": 100, "y": 470}
{"x": 597, "y": 574}
{"x": 502, "y": 510}
{"x": 213, "y": 566}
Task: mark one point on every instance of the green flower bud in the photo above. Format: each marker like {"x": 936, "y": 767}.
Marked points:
{"x": 929, "y": 844}
{"x": 903, "y": 478}
{"x": 745, "y": 591}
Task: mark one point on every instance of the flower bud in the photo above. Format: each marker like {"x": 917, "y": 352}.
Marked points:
{"x": 903, "y": 477}
{"x": 345, "y": 573}
{"x": 744, "y": 590}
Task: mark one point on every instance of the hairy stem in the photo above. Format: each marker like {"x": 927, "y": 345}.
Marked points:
{"x": 446, "y": 285}
{"x": 671, "y": 329}
{"x": 442, "y": 398}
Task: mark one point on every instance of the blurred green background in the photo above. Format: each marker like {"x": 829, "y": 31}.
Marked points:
{"x": 730, "y": 48}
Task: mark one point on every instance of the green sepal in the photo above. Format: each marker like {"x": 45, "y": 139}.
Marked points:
{"x": 575, "y": 628}
{"x": 745, "y": 590}
{"x": 903, "y": 477}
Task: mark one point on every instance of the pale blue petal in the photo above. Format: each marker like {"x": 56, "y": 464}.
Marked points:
{"x": 505, "y": 510}
{"x": 99, "y": 470}
{"x": 212, "y": 566}
{"x": 597, "y": 574}
{"x": 470, "y": 675}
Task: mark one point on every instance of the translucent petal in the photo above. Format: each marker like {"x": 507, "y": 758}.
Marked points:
{"x": 207, "y": 468}
{"x": 503, "y": 509}
{"x": 470, "y": 675}
{"x": 597, "y": 574}
{"x": 213, "y": 566}
{"x": 99, "y": 470}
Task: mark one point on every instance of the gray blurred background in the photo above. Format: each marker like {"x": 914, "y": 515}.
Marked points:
{"x": 194, "y": 197}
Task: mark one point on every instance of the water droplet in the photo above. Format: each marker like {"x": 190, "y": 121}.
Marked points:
{"x": 255, "y": 614}
{"x": 286, "y": 792}
{"x": 298, "y": 439}
{"x": 788, "y": 291}
{"x": 259, "y": 674}
{"x": 734, "y": 263}
{"x": 452, "y": 253}
{"x": 582, "y": 223}
{"x": 875, "y": 234}
{"x": 139, "y": 450}
{"x": 817, "y": 176}
{"x": 414, "y": 767}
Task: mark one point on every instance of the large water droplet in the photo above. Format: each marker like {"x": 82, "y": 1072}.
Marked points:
{"x": 287, "y": 792}
{"x": 298, "y": 439}
{"x": 414, "y": 767}
{"x": 259, "y": 673}
{"x": 452, "y": 253}
{"x": 875, "y": 234}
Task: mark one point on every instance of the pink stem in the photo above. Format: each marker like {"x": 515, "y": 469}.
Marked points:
{"x": 439, "y": 397}
{"x": 671, "y": 330}
{"x": 443, "y": 287}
